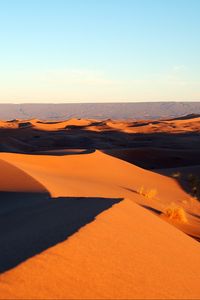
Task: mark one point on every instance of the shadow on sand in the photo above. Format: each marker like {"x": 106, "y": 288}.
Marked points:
{"x": 33, "y": 222}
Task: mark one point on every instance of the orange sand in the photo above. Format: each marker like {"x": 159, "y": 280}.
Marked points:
{"x": 127, "y": 252}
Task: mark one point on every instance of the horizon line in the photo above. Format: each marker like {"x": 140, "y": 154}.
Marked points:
{"x": 109, "y": 102}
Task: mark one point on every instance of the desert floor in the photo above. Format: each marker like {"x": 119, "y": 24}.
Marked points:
{"x": 95, "y": 209}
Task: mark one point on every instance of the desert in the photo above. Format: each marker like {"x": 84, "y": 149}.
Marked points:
{"x": 100, "y": 209}
{"x": 99, "y": 149}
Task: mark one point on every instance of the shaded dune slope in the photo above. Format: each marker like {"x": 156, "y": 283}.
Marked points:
{"x": 14, "y": 179}
{"x": 32, "y": 222}
{"x": 154, "y": 158}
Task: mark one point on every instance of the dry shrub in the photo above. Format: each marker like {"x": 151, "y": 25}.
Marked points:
{"x": 149, "y": 194}
{"x": 140, "y": 191}
{"x": 176, "y": 213}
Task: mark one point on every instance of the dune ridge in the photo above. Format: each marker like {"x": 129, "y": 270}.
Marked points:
{"x": 176, "y": 142}
{"x": 187, "y": 123}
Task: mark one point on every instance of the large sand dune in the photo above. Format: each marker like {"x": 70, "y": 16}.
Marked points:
{"x": 79, "y": 224}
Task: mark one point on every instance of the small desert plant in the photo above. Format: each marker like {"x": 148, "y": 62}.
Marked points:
{"x": 176, "y": 213}
{"x": 149, "y": 194}
{"x": 140, "y": 191}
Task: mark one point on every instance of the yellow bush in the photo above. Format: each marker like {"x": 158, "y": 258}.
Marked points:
{"x": 140, "y": 191}
{"x": 149, "y": 194}
{"x": 176, "y": 213}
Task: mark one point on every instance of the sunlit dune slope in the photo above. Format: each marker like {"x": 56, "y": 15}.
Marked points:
{"x": 143, "y": 126}
{"x": 126, "y": 126}
{"x": 46, "y": 125}
{"x": 127, "y": 252}
{"x": 93, "y": 174}
{"x": 101, "y": 175}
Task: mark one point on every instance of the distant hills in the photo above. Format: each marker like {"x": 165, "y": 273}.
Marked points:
{"x": 144, "y": 110}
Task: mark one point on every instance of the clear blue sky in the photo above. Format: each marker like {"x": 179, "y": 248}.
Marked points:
{"x": 99, "y": 50}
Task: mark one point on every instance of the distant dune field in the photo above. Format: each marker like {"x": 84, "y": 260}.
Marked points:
{"x": 100, "y": 209}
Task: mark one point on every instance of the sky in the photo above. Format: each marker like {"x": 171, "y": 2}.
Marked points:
{"x": 99, "y": 50}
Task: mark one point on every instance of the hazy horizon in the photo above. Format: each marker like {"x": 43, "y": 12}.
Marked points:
{"x": 100, "y": 102}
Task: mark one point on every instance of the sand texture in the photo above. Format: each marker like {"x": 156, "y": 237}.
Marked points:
{"x": 95, "y": 209}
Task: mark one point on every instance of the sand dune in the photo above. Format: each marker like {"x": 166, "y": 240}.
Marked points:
{"x": 63, "y": 175}
{"x": 84, "y": 175}
{"x": 152, "y": 144}
{"x": 117, "y": 256}
{"x": 80, "y": 223}
{"x": 142, "y": 126}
